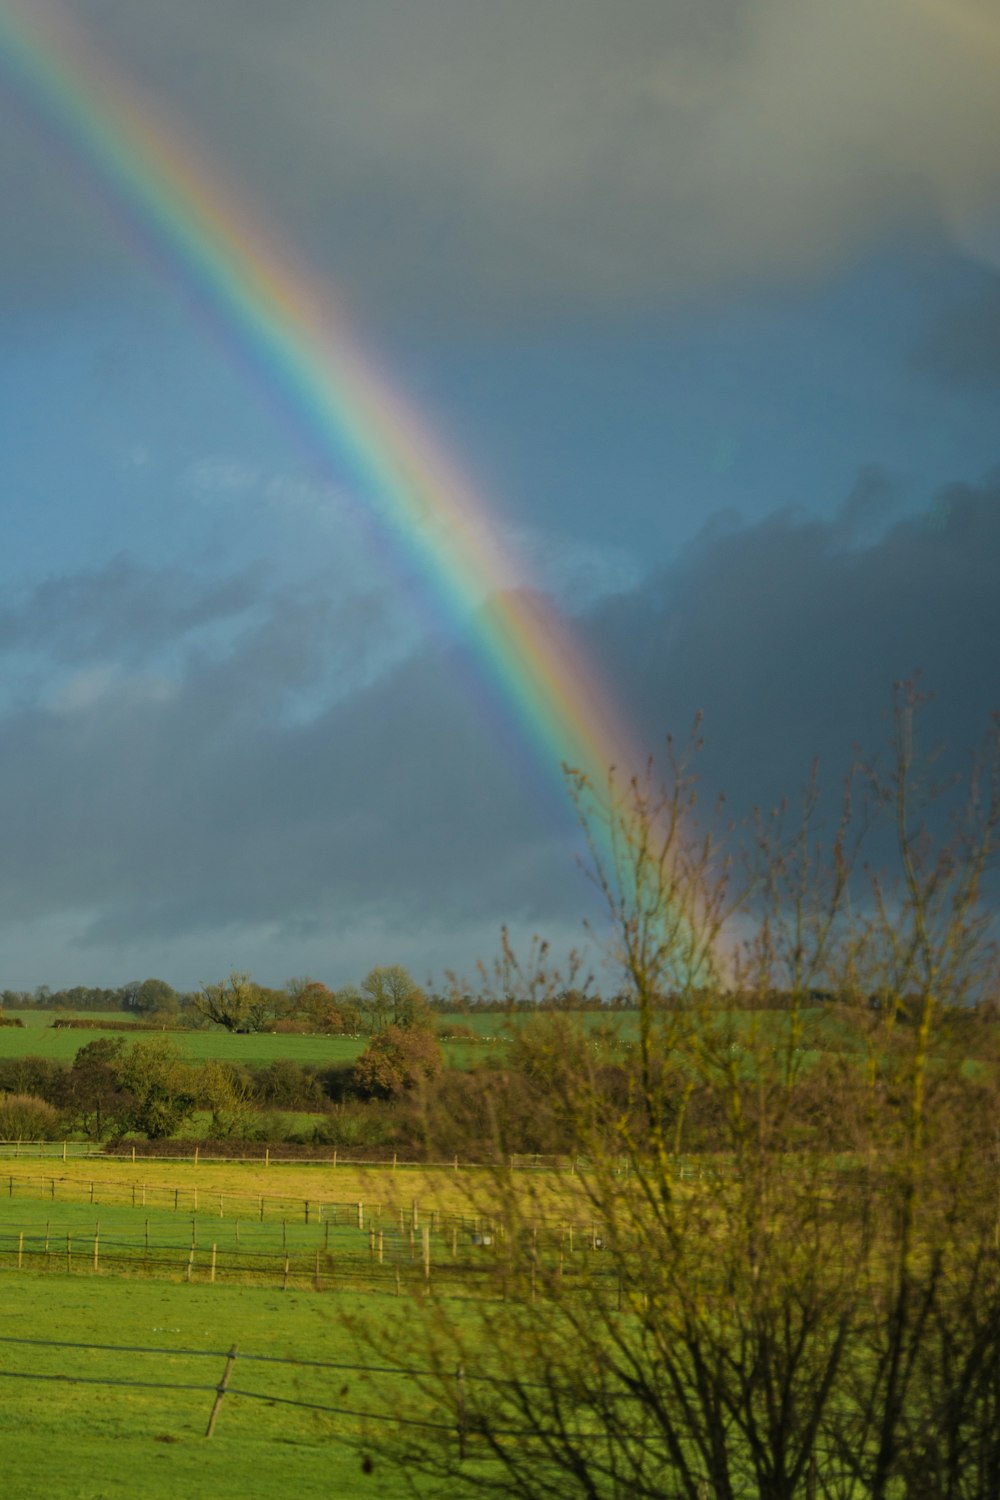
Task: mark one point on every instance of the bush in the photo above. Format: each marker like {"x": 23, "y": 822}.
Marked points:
{"x": 397, "y": 1060}
{"x": 457, "y": 1031}
{"x": 25, "y": 1117}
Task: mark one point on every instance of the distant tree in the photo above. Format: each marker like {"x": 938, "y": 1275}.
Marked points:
{"x": 155, "y": 996}
{"x": 236, "y": 1003}
{"x": 391, "y": 997}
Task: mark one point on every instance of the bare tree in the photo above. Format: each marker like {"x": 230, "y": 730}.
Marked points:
{"x": 789, "y": 1280}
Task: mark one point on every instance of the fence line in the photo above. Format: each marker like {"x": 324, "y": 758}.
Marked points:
{"x": 223, "y": 1387}
{"x": 264, "y": 1207}
{"x": 332, "y": 1157}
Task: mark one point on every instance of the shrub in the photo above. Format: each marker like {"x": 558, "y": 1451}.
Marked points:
{"x": 25, "y": 1117}
{"x": 397, "y": 1060}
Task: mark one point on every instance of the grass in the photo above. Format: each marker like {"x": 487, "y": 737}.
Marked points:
{"x": 62, "y": 1043}
{"x": 96, "y": 1442}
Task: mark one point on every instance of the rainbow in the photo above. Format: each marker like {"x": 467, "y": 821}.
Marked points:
{"x": 298, "y": 341}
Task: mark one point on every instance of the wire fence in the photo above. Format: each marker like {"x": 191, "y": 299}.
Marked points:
{"x": 266, "y": 1154}
{"x": 223, "y": 1386}
{"x": 403, "y": 1222}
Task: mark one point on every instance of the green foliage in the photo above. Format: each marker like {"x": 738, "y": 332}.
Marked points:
{"x": 161, "y": 1085}
{"x": 228, "y": 1092}
{"x": 155, "y": 996}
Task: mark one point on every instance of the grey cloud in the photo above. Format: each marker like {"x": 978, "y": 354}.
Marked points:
{"x": 212, "y": 820}
{"x": 122, "y": 610}
{"x": 207, "y": 810}
{"x": 789, "y": 635}
{"x": 517, "y": 159}
{"x": 963, "y": 347}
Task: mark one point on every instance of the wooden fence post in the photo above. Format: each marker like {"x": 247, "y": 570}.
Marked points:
{"x": 460, "y": 1410}
{"x": 361, "y": 1216}
{"x": 220, "y": 1390}
{"x": 97, "y": 1241}
{"x": 20, "y": 1249}
{"x": 284, "y": 1279}
{"x": 211, "y": 1274}
{"x": 190, "y": 1264}
{"x": 427, "y": 1253}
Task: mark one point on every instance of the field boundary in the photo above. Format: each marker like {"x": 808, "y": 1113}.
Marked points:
{"x": 265, "y": 1156}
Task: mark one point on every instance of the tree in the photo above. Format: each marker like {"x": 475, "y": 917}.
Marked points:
{"x": 227, "y": 1091}
{"x": 162, "y": 1087}
{"x": 391, "y": 997}
{"x": 236, "y": 1003}
{"x": 155, "y": 997}
{"x": 790, "y": 1281}
{"x": 91, "y": 1093}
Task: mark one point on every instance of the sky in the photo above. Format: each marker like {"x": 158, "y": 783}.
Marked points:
{"x": 702, "y": 299}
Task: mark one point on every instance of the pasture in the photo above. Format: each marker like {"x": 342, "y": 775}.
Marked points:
{"x": 95, "y": 1254}
{"x": 104, "y": 1441}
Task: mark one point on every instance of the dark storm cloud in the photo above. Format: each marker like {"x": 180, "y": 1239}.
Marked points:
{"x": 518, "y": 158}
{"x": 161, "y": 804}
{"x": 963, "y": 347}
{"x": 223, "y": 792}
{"x": 788, "y": 635}
{"x": 122, "y": 610}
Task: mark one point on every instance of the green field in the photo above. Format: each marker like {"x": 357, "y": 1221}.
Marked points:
{"x": 103, "y": 1441}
